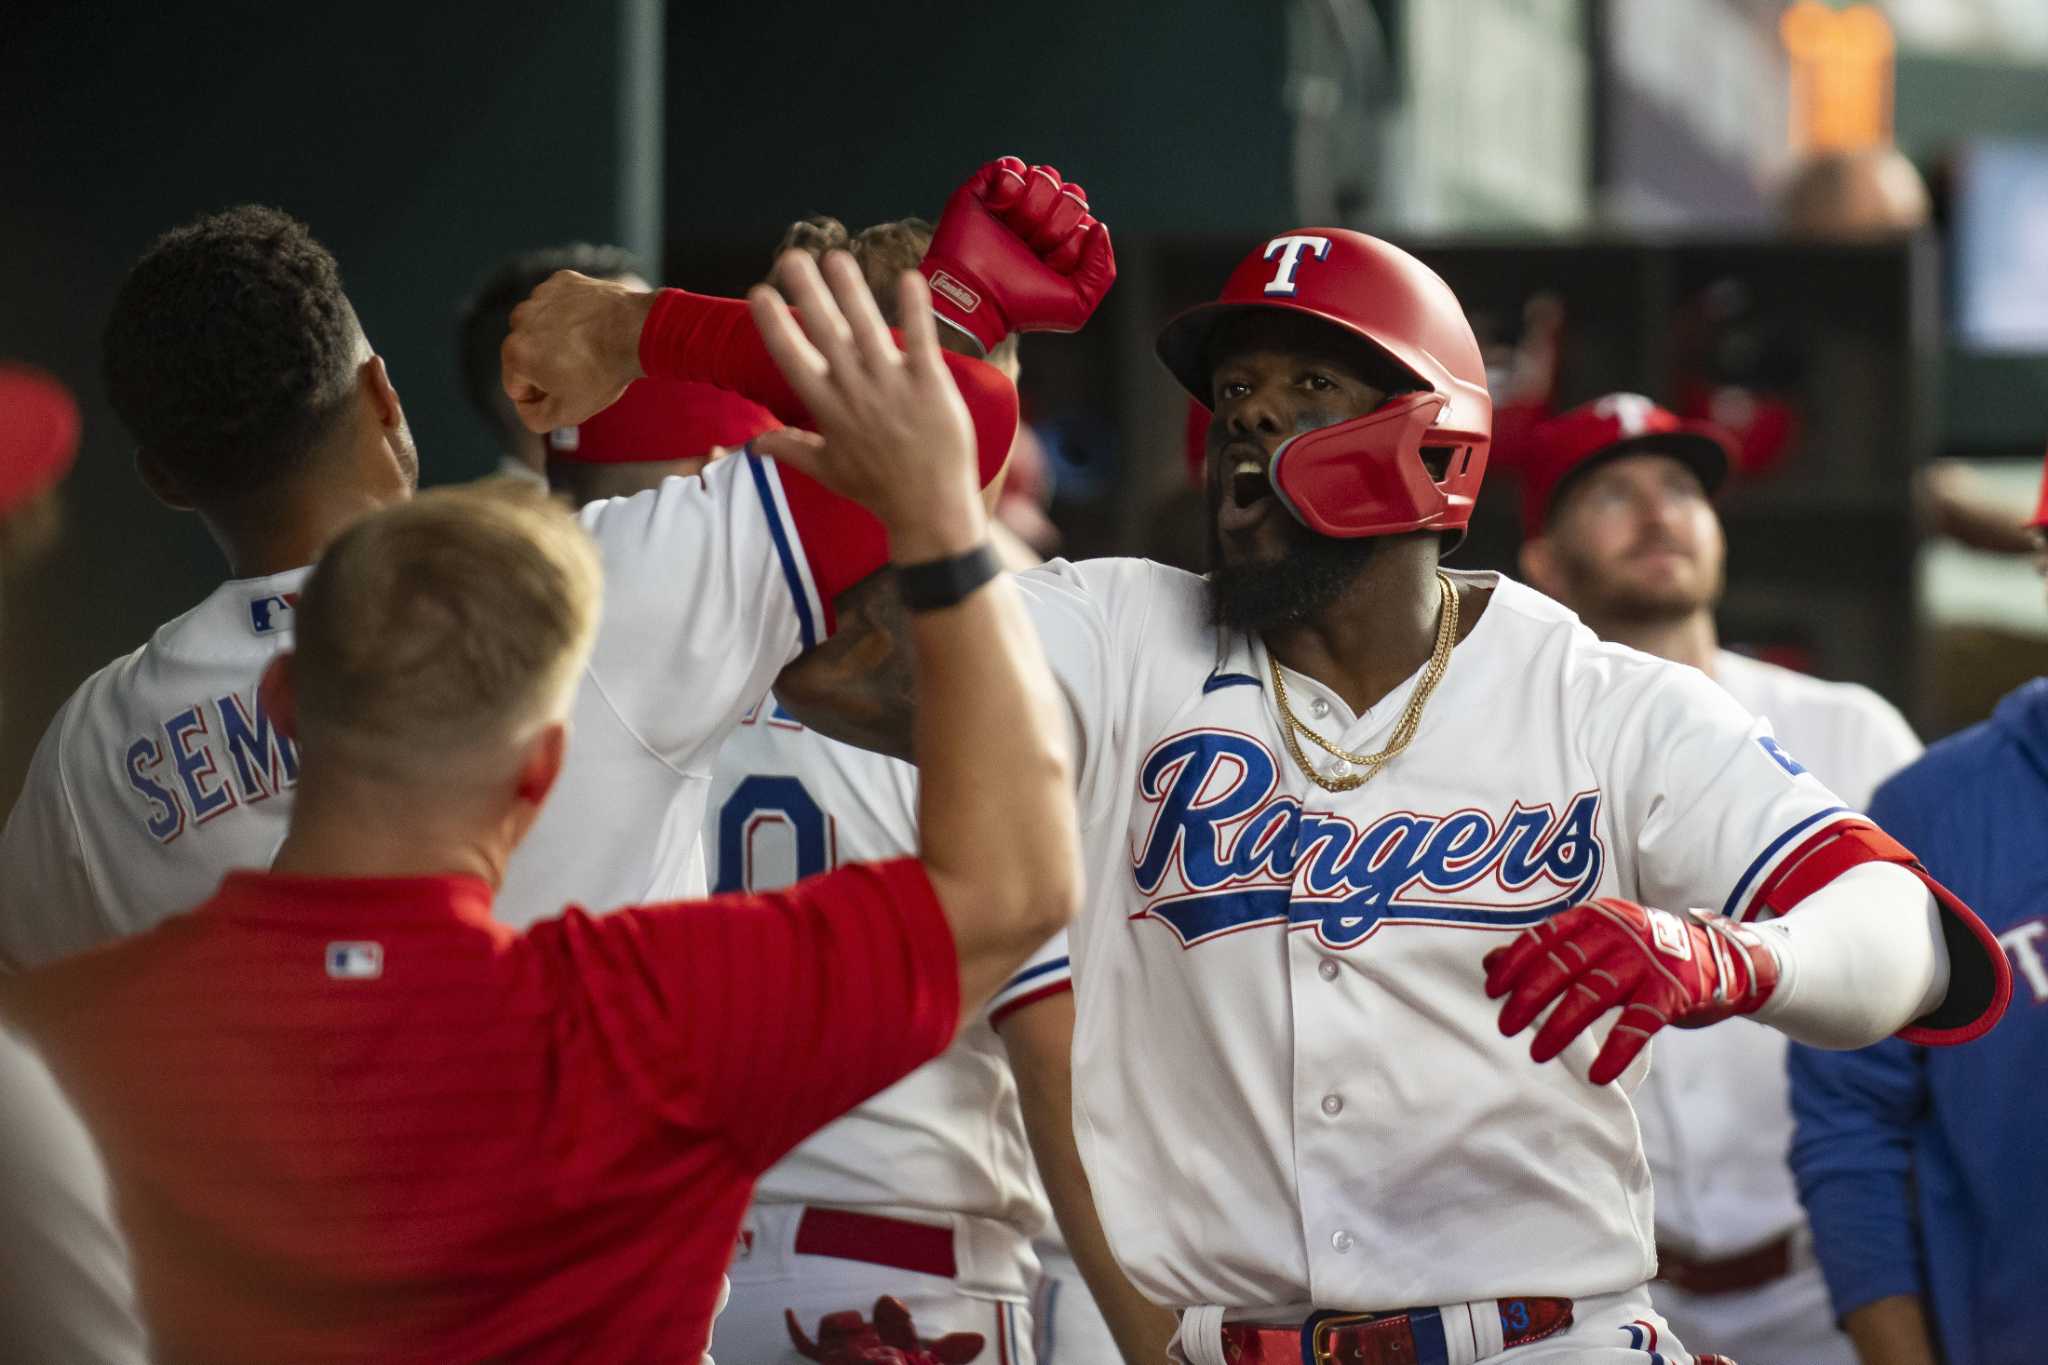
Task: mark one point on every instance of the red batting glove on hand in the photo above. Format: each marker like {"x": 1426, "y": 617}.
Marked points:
{"x": 846, "y": 1338}
{"x": 1659, "y": 967}
{"x": 1016, "y": 251}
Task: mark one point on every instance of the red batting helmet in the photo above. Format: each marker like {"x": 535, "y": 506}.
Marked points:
{"x": 1367, "y": 476}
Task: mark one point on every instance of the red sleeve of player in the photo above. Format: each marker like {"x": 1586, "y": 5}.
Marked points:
{"x": 714, "y": 341}
{"x": 761, "y": 1018}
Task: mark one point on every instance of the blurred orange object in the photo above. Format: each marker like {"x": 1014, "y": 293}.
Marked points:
{"x": 1842, "y": 61}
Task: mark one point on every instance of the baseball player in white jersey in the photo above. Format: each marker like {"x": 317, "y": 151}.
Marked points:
{"x": 926, "y": 1192}
{"x": 1621, "y": 527}
{"x": 163, "y": 770}
{"x": 1354, "y": 824}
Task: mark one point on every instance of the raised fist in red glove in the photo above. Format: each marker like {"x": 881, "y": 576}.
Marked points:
{"x": 847, "y": 1338}
{"x": 1660, "y": 968}
{"x": 1016, "y": 251}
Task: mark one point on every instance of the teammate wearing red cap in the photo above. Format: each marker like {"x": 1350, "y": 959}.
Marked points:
{"x": 1620, "y": 524}
{"x": 1355, "y": 823}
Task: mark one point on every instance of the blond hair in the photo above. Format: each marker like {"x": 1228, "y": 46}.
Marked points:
{"x": 453, "y": 624}
{"x": 883, "y": 252}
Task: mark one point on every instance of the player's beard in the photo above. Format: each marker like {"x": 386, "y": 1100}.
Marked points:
{"x": 1312, "y": 573}
{"x": 1612, "y": 600}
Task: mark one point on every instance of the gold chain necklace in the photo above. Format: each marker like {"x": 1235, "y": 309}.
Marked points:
{"x": 1411, "y": 716}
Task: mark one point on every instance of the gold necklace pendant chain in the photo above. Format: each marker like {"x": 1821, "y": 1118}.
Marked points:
{"x": 1411, "y": 715}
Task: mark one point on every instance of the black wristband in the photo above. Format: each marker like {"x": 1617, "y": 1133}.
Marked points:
{"x": 935, "y": 584}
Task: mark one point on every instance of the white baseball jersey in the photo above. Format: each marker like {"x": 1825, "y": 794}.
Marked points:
{"x": 162, "y": 772}
{"x": 948, "y": 1138}
{"x": 1715, "y": 1113}
{"x": 158, "y": 775}
{"x": 1290, "y": 1087}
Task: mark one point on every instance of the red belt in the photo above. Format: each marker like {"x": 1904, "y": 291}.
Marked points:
{"x": 895, "y": 1242}
{"x": 1381, "y": 1338}
{"x": 1731, "y": 1274}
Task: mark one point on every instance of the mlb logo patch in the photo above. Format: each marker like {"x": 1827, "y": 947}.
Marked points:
{"x": 272, "y": 613}
{"x": 1669, "y": 932}
{"x": 355, "y": 961}
{"x": 565, "y": 439}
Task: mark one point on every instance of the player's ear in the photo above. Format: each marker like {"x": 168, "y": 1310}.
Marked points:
{"x": 161, "y": 483}
{"x": 383, "y": 395}
{"x": 541, "y": 764}
{"x": 1539, "y": 565}
{"x": 278, "y": 696}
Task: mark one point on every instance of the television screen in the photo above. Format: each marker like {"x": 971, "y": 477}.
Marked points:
{"x": 2001, "y": 247}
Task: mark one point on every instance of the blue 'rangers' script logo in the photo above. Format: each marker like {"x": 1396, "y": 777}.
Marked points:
{"x": 1225, "y": 853}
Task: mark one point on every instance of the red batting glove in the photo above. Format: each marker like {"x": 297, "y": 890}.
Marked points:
{"x": 1660, "y": 968}
{"x": 1016, "y": 251}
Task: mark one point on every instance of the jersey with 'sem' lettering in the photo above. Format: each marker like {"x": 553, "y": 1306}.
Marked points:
{"x": 1291, "y": 1089}
{"x": 947, "y": 1141}
{"x": 162, "y": 773}
{"x": 157, "y": 776}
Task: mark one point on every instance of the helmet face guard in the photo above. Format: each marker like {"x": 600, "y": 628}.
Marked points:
{"x": 1372, "y": 475}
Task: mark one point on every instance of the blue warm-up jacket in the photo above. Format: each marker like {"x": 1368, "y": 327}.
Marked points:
{"x": 1925, "y": 1171}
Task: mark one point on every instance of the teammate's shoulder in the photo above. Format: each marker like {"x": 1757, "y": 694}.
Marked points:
{"x": 1543, "y": 624}
{"x": 634, "y": 516}
{"x": 1117, "y": 575}
{"x": 1740, "y": 674}
{"x": 1125, "y": 591}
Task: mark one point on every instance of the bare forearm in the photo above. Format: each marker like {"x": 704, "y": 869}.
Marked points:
{"x": 1891, "y": 1331}
{"x": 1040, "y": 1042}
{"x": 856, "y": 687}
{"x": 995, "y": 804}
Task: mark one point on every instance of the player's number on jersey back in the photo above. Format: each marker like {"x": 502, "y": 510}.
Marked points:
{"x": 757, "y": 805}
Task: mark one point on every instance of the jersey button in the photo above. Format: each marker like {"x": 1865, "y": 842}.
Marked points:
{"x": 1341, "y": 1240}
{"x": 1319, "y": 708}
{"x": 1336, "y": 768}
{"x": 1333, "y": 1105}
{"x": 1327, "y": 969}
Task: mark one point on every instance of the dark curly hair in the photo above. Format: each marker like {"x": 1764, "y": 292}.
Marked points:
{"x": 487, "y": 315}
{"x": 231, "y": 349}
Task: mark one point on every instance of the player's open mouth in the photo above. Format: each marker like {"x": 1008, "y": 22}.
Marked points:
{"x": 1248, "y": 482}
{"x": 1247, "y": 494}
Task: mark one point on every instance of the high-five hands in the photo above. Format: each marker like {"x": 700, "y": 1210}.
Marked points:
{"x": 1661, "y": 969}
{"x": 1017, "y": 251}
{"x": 573, "y": 346}
{"x": 893, "y": 433}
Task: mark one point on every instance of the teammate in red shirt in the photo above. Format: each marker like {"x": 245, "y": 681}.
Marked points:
{"x": 349, "y": 1117}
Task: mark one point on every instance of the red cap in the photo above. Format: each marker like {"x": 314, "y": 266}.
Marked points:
{"x": 38, "y": 434}
{"x": 1607, "y": 428}
{"x": 663, "y": 419}
{"x": 2040, "y": 520}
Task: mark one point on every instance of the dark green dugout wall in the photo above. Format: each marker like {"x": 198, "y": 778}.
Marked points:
{"x": 421, "y": 141}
